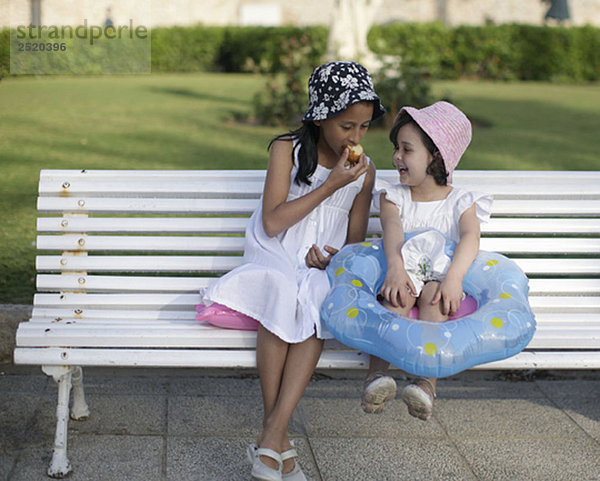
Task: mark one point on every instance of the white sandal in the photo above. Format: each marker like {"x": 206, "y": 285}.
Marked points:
{"x": 260, "y": 470}
{"x": 295, "y": 474}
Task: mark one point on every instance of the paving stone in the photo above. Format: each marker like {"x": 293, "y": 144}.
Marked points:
{"x": 214, "y": 386}
{"x": 20, "y": 421}
{"x": 532, "y": 459}
{"x": 504, "y": 418}
{"x": 99, "y": 458}
{"x": 214, "y": 416}
{"x": 386, "y": 459}
{"x": 345, "y": 418}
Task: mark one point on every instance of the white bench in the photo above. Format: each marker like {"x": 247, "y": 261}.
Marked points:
{"x": 124, "y": 253}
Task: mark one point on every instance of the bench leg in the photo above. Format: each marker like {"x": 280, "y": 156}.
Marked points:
{"x": 79, "y": 409}
{"x": 60, "y": 465}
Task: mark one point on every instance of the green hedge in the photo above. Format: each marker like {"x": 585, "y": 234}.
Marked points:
{"x": 488, "y": 52}
{"x": 4, "y": 52}
{"x": 186, "y": 49}
{"x": 521, "y": 52}
{"x": 263, "y": 45}
{"x": 227, "y": 49}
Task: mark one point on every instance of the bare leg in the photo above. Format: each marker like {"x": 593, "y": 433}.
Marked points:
{"x": 285, "y": 370}
{"x": 419, "y": 395}
{"x": 429, "y": 312}
{"x": 271, "y": 354}
{"x": 377, "y": 364}
{"x": 379, "y": 388}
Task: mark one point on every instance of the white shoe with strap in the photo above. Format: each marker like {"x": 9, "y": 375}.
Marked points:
{"x": 295, "y": 474}
{"x": 260, "y": 470}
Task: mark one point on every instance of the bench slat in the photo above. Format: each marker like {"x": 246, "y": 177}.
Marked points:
{"x": 171, "y": 225}
{"x": 492, "y": 176}
{"x": 91, "y": 283}
{"x": 552, "y": 266}
{"x": 210, "y": 244}
{"x": 237, "y": 225}
{"x": 108, "y": 316}
{"x": 247, "y": 359}
{"x": 538, "y": 208}
{"x": 526, "y": 182}
{"x": 137, "y": 263}
{"x": 166, "y": 175}
{"x": 179, "y": 301}
{"x": 170, "y": 358}
{"x": 120, "y": 301}
{"x": 197, "y": 188}
{"x": 71, "y": 242}
{"x": 147, "y": 206}
{"x": 79, "y": 283}
{"x": 172, "y": 188}
{"x": 180, "y": 334}
{"x": 95, "y": 318}
{"x": 527, "y": 226}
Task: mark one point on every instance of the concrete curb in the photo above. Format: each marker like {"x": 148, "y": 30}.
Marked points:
{"x": 10, "y": 317}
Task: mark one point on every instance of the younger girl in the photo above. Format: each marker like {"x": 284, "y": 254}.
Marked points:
{"x": 313, "y": 202}
{"x": 428, "y": 145}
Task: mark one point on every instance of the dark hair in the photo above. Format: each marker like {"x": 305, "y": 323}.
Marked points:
{"x": 307, "y": 136}
{"x": 436, "y": 167}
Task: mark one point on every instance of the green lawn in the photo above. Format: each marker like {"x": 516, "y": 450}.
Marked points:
{"x": 185, "y": 121}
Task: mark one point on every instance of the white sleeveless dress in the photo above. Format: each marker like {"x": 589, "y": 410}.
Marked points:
{"x": 273, "y": 285}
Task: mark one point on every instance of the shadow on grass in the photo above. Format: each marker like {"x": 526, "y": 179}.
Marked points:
{"x": 218, "y": 146}
{"x": 196, "y": 95}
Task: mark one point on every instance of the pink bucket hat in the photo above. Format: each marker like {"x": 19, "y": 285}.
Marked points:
{"x": 448, "y": 128}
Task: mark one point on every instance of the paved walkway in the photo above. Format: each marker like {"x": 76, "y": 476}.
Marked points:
{"x": 187, "y": 424}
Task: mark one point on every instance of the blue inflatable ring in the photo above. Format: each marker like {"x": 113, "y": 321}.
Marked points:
{"x": 501, "y": 327}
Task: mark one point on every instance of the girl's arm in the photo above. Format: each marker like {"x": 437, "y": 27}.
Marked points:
{"x": 279, "y": 215}
{"x": 357, "y": 223}
{"x": 397, "y": 285}
{"x": 450, "y": 290}
{"x": 359, "y": 213}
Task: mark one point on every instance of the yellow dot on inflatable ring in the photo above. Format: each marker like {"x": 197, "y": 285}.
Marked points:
{"x": 339, "y": 271}
{"x": 366, "y": 244}
{"x": 430, "y": 348}
{"x": 352, "y": 312}
{"x": 497, "y": 323}
{"x": 356, "y": 282}
{"x": 492, "y": 262}
{"x": 505, "y": 295}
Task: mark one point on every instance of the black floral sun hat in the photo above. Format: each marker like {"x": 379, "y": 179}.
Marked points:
{"x": 334, "y": 86}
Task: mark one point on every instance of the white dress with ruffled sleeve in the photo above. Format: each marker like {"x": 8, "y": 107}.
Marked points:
{"x": 432, "y": 224}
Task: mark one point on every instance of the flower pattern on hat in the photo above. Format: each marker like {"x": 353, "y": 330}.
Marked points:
{"x": 333, "y": 87}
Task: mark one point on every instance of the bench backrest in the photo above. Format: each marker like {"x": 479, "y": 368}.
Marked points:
{"x": 130, "y": 245}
